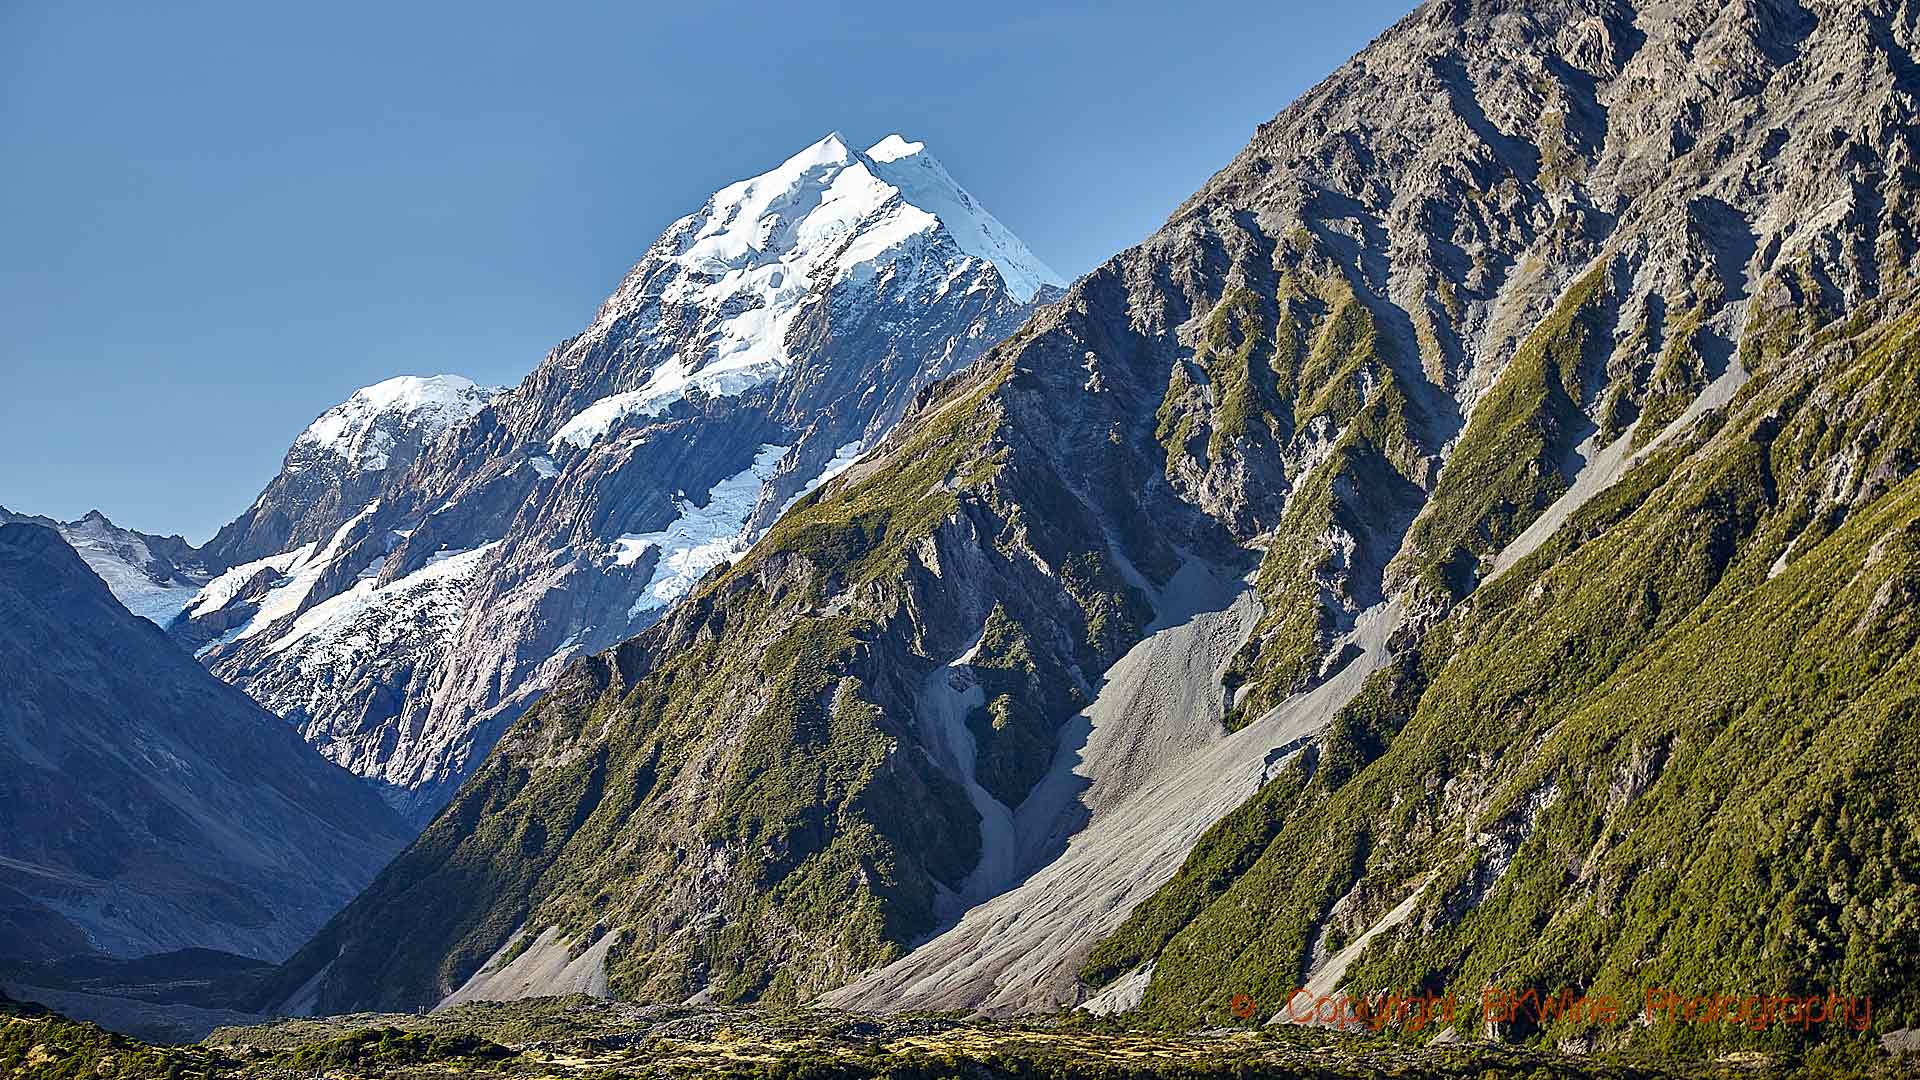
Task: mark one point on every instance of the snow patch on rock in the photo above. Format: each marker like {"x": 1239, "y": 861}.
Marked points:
{"x": 125, "y": 563}
{"x": 299, "y": 570}
{"x": 843, "y": 459}
{"x": 925, "y": 183}
{"x": 668, "y": 384}
{"x": 221, "y": 591}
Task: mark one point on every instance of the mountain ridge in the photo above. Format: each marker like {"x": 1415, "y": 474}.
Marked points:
{"x": 155, "y": 577}
{"x": 338, "y": 462}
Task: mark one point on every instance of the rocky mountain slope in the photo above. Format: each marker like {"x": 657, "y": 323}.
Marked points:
{"x": 1331, "y": 588}
{"x": 144, "y": 805}
{"x": 330, "y": 476}
{"x": 415, "y": 576}
{"x": 1667, "y": 748}
{"x": 155, "y": 577}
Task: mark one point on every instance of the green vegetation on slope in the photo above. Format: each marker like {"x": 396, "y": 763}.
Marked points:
{"x": 600, "y": 1040}
{"x": 1657, "y": 752}
{"x": 1224, "y": 854}
{"x": 1678, "y": 377}
{"x": 39, "y": 1045}
{"x": 1237, "y": 352}
{"x": 739, "y": 801}
{"x": 1373, "y": 460}
{"x": 1507, "y": 465}
{"x": 863, "y": 534}
{"x": 379, "y": 1049}
{"x": 1014, "y": 730}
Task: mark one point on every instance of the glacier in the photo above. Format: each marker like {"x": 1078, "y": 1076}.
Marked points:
{"x": 701, "y": 538}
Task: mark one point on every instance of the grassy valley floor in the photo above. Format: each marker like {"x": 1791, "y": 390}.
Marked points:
{"x": 586, "y": 1038}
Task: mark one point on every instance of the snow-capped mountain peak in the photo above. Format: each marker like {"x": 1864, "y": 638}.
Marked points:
{"x": 740, "y": 271}
{"x": 152, "y": 576}
{"x": 795, "y": 212}
{"x": 402, "y": 617}
{"x": 894, "y": 147}
{"x": 359, "y": 428}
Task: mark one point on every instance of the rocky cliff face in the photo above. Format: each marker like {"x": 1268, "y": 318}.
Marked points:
{"x": 409, "y": 595}
{"x": 144, "y": 805}
{"x": 1463, "y": 309}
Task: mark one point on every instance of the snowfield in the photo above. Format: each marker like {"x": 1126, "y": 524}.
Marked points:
{"x": 442, "y": 580}
{"x": 299, "y": 570}
{"x": 146, "y": 585}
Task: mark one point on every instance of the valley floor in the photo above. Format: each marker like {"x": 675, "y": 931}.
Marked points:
{"x": 588, "y": 1038}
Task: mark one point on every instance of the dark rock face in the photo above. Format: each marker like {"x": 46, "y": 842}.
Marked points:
{"x": 1503, "y": 243}
{"x": 144, "y": 805}
{"x": 404, "y": 617}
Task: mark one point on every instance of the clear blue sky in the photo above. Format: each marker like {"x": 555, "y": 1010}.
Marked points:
{"x": 218, "y": 219}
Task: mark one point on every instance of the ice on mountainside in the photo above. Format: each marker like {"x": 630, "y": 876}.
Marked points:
{"x": 158, "y": 604}
{"x": 153, "y": 577}
{"x": 299, "y": 570}
{"x": 288, "y": 596}
{"x": 121, "y": 562}
{"x": 353, "y": 620}
{"x": 221, "y": 590}
{"x": 702, "y": 537}
{"x": 843, "y": 459}
{"x": 925, "y": 183}
{"x": 668, "y": 385}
